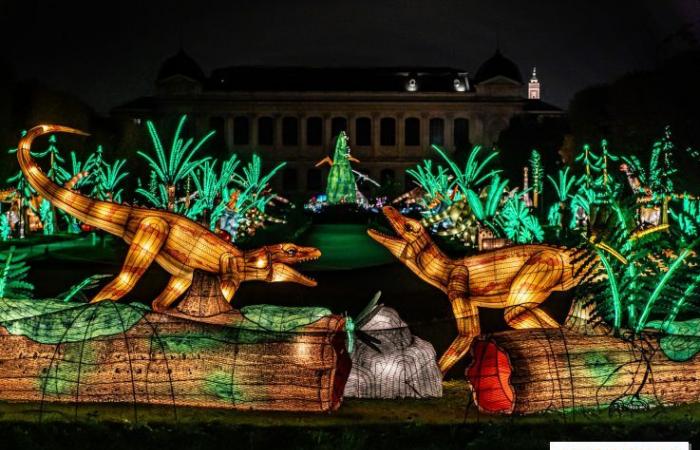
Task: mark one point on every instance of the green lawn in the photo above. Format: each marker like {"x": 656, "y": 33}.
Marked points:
{"x": 344, "y": 246}
{"x": 449, "y": 422}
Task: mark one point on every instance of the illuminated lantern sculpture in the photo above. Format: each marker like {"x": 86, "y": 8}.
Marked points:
{"x": 516, "y": 279}
{"x": 401, "y": 365}
{"x": 341, "y": 187}
{"x": 529, "y": 371}
{"x": 259, "y": 358}
{"x": 178, "y": 244}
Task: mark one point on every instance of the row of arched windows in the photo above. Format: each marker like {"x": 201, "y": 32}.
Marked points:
{"x": 362, "y": 136}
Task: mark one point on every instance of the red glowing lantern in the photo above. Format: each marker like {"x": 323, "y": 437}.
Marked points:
{"x": 86, "y": 228}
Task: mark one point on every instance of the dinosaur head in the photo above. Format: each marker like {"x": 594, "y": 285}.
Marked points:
{"x": 412, "y": 236}
{"x": 271, "y": 263}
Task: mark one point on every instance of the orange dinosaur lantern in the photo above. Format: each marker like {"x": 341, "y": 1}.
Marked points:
{"x": 517, "y": 279}
{"x": 176, "y": 243}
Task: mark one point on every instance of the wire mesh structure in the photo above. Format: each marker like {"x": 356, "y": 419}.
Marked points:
{"x": 534, "y": 370}
{"x": 261, "y": 358}
{"x": 400, "y": 365}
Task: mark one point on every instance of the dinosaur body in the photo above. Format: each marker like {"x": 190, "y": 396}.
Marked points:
{"x": 516, "y": 279}
{"x": 178, "y": 244}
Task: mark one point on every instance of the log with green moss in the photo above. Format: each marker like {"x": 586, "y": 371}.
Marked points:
{"x": 535, "y": 370}
{"x": 259, "y": 358}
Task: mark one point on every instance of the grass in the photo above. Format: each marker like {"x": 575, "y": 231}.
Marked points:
{"x": 449, "y": 422}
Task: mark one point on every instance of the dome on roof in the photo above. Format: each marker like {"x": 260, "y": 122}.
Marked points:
{"x": 498, "y": 65}
{"x": 180, "y": 64}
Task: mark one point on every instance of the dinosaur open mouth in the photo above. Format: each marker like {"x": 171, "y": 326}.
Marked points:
{"x": 383, "y": 238}
{"x": 282, "y": 272}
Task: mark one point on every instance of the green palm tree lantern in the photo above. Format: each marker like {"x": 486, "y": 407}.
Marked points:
{"x": 341, "y": 187}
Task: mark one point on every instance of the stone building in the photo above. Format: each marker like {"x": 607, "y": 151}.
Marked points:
{"x": 292, "y": 114}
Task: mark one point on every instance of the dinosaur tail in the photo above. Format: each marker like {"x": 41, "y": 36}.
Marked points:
{"x": 110, "y": 217}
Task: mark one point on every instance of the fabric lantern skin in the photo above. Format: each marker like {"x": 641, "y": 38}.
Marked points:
{"x": 535, "y": 370}
{"x": 176, "y": 243}
{"x": 259, "y": 358}
{"x": 401, "y": 365}
{"x": 341, "y": 187}
{"x": 516, "y": 279}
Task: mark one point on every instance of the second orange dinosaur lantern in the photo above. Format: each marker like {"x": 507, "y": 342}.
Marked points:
{"x": 516, "y": 279}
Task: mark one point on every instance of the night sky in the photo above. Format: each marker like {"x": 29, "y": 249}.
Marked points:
{"x": 108, "y": 56}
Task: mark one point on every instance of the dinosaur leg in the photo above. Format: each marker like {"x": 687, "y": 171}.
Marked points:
{"x": 148, "y": 240}
{"x": 229, "y": 286}
{"x": 229, "y": 267}
{"x": 467, "y": 316}
{"x": 538, "y": 277}
{"x": 177, "y": 285}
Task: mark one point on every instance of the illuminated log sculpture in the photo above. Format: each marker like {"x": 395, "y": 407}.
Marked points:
{"x": 529, "y": 371}
{"x": 262, "y": 358}
{"x": 402, "y": 366}
{"x": 178, "y": 244}
{"x": 516, "y": 279}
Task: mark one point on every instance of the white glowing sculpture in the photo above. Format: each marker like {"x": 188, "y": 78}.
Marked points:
{"x": 402, "y": 366}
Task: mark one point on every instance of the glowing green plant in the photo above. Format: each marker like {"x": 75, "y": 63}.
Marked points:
{"x": 254, "y": 184}
{"x": 5, "y": 229}
{"x": 107, "y": 176}
{"x": 47, "y": 218}
{"x": 436, "y": 184}
{"x": 562, "y": 187}
{"x": 211, "y": 187}
{"x": 589, "y": 160}
{"x": 12, "y": 277}
{"x": 537, "y": 175}
{"x": 517, "y": 223}
{"x": 661, "y": 167}
{"x": 173, "y": 166}
{"x": 473, "y": 173}
{"x": 486, "y": 212}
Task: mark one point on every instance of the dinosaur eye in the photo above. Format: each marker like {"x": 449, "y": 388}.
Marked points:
{"x": 292, "y": 251}
{"x": 408, "y": 227}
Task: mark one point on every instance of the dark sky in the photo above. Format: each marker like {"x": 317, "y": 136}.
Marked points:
{"x": 110, "y": 54}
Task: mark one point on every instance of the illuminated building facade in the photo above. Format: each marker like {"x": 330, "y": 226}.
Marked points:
{"x": 391, "y": 115}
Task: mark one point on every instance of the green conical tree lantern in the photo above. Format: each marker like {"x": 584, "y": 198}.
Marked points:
{"x": 341, "y": 187}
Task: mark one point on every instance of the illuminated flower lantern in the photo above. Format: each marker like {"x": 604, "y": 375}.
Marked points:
{"x": 401, "y": 365}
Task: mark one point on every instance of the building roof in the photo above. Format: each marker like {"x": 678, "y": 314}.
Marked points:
{"x": 180, "y": 64}
{"x": 498, "y": 66}
{"x": 337, "y": 79}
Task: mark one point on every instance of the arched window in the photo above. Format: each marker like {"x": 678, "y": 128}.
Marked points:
{"x": 338, "y": 124}
{"x": 363, "y": 131}
{"x": 461, "y": 134}
{"x": 313, "y": 179}
{"x": 289, "y": 179}
{"x": 241, "y": 131}
{"x": 387, "y": 177}
{"x": 412, "y": 131}
{"x": 314, "y": 131}
{"x": 217, "y": 144}
{"x": 387, "y": 131}
{"x": 437, "y": 131}
{"x": 290, "y": 131}
{"x": 266, "y": 131}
